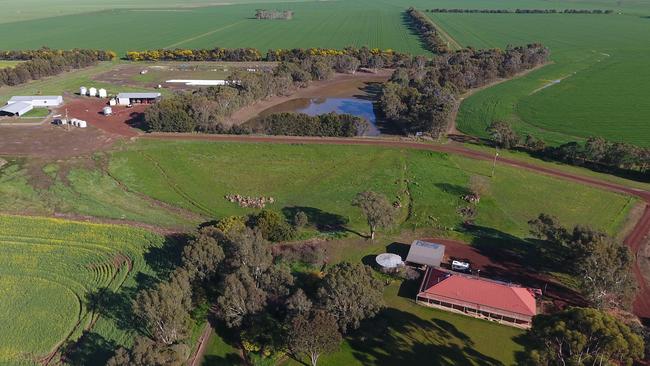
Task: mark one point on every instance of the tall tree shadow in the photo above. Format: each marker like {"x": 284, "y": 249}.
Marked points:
{"x": 323, "y": 221}
{"x": 90, "y": 349}
{"x": 395, "y": 337}
{"x": 526, "y": 262}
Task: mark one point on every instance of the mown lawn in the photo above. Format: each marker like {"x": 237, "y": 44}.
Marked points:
{"x": 50, "y": 268}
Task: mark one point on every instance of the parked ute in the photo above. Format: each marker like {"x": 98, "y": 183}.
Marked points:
{"x": 460, "y": 266}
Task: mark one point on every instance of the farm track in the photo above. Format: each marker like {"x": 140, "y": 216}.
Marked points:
{"x": 634, "y": 240}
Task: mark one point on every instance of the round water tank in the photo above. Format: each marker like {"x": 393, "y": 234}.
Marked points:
{"x": 103, "y": 93}
{"x": 92, "y": 92}
{"x": 83, "y": 90}
{"x": 112, "y": 101}
{"x": 107, "y": 111}
{"x": 389, "y": 261}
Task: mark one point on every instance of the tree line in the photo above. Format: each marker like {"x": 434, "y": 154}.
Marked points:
{"x": 595, "y": 152}
{"x": 522, "y": 11}
{"x": 301, "y": 124}
{"x": 364, "y": 54}
{"x": 427, "y": 31}
{"x": 421, "y": 97}
{"x": 47, "y": 62}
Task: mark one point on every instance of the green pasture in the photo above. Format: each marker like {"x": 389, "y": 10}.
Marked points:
{"x": 197, "y": 175}
{"x": 48, "y": 270}
{"x": 596, "y": 84}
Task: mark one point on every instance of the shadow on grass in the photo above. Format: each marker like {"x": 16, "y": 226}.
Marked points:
{"x": 91, "y": 349}
{"x": 117, "y": 306}
{"x": 526, "y": 262}
{"x": 226, "y": 336}
{"x": 396, "y": 337}
{"x": 321, "y": 220}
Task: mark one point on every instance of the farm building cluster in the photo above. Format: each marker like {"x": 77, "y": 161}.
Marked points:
{"x": 20, "y": 105}
{"x": 456, "y": 289}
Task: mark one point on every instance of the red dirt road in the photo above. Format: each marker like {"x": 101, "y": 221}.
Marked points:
{"x": 634, "y": 240}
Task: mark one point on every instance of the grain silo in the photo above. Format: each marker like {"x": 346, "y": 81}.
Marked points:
{"x": 107, "y": 111}
{"x": 83, "y": 90}
{"x": 92, "y": 92}
{"x": 103, "y": 93}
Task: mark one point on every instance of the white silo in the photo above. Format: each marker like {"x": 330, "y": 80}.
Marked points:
{"x": 92, "y": 92}
{"x": 107, "y": 111}
{"x": 83, "y": 90}
{"x": 103, "y": 93}
{"x": 112, "y": 102}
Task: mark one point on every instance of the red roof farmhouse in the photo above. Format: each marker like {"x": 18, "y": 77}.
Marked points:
{"x": 497, "y": 301}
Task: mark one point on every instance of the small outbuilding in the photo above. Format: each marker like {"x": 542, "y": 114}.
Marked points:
{"x": 107, "y": 111}
{"x": 389, "y": 262}
{"x": 426, "y": 253}
{"x": 137, "y": 98}
{"x": 102, "y": 93}
{"x": 83, "y": 91}
{"x": 92, "y": 92}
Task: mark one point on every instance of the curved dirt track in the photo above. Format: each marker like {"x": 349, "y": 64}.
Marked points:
{"x": 634, "y": 240}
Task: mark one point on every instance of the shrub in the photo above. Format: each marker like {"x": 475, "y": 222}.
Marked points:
{"x": 272, "y": 225}
{"x": 300, "y": 219}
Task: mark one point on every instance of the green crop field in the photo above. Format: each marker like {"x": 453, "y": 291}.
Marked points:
{"x": 315, "y": 24}
{"x": 596, "y": 85}
{"x": 49, "y": 267}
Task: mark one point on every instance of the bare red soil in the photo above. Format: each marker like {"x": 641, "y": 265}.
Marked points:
{"x": 121, "y": 122}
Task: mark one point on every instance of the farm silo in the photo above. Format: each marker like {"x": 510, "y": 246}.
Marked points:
{"x": 103, "y": 93}
{"x": 83, "y": 90}
{"x": 92, "y": 92}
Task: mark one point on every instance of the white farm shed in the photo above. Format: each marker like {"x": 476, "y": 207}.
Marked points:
{"x": 38, "y": 100}
{"x": 137, "y": 98}
{"x": 16, "y": 109}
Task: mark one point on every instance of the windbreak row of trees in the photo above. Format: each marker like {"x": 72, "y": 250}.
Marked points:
{"x": 522, "y": 11}
{"x": 300, "y": 124}
{"x": 595, "y": 152}
{"x": 421, "y": 98}
{"x": 46, "y": 62}
{"x": 427, "y": 31}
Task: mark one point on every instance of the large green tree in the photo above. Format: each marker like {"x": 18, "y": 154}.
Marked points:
{"x": 582, "y": 336}
{"x": 163, "y": 311}
{"x": 351, "y": 294}
{"x": 146, "y": 352}
{"x": 503, "y": 135}
{"x": 378, "y": 211}
{"x": 313, "y": 334}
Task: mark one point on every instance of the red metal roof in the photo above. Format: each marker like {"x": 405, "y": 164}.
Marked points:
{"x": 479, "y": 291}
